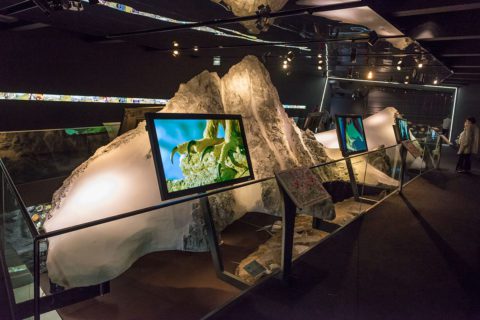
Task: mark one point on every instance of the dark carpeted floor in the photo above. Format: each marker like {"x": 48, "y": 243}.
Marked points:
{"x": 416, "y": 256}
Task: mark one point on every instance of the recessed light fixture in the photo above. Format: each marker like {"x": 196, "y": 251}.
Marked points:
{"x": 320, "y": 61}
{"x": 420, "y": 65}
{"x": 290, "y": 56}
{"x": 435, "y": 81}
{"x": 195, "y": 48}
{"x": 320, "y": 68}
{"x": 175, "y": 53}
{"x": 370, "y": 75}
{"x": 399, "y": 68}
{"x": 285, "y": 66}
{"x": 175, "y": 44}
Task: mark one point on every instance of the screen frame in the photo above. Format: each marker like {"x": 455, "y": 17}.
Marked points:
{"x": 343, "y": 148}
{"x": 157, "y": 158}
{"x": 398, "y": 134}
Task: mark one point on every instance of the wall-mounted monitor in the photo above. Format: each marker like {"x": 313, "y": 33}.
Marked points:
{"x": 194, "y": 153}
{"x": 351, "y": 134}
{"x": 401, "y": 130}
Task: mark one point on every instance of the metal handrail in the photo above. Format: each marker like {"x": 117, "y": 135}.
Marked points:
{"x": 169, "y": 203}
{"x": 165, "y": 204}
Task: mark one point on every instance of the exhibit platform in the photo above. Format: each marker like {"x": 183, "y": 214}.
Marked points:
{"x": 416, "y": 256}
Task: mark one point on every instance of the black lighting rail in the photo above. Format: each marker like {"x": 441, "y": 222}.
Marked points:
{"x": 217, "y": 22}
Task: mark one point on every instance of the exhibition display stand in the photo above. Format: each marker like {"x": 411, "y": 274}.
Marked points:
{"x": 62, "y": 298}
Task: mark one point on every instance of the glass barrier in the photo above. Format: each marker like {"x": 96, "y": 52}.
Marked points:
{"x": 249, "y": 235}
{"x": 17, "y": 242}
{"x": 47, "y": 154}
{"x": 378, "y": 173}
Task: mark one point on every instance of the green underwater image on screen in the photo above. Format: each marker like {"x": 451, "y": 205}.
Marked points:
{"x": 403, "y": 129}
{"x": 351, "y": 134}
{"x": 199, "y": 152}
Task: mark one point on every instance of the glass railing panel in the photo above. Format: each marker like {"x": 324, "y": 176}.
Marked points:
{"x": 378, "y": 173}
{"x": 38, "y": 155}
{"x": 414, "y": 166}
{"x": 251, "y": 235}
{"x": 18, "y": 245}
{"x": 156, "y": 262}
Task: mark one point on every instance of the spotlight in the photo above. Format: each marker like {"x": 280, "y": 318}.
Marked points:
{"x": 399, "y": 68}
{"x": 400, "y": 62}
{"x": 285, "y": 66}
{"x": 372, "y": 38}
{"x": 320, "y": 68}
{"x": 320, "y": 61}
{"x": 319, "y": 56}
{"x": 175, "y": 53}
{"x": 435, "y": 82}
{"x": 285, "y": 62}
{"x": 370, "y": 75}
{"x": 175, "y": 44}
{"x": 420, "y": 65}
{"x": 195, "y": 48}
{"x": 290, "y": 56}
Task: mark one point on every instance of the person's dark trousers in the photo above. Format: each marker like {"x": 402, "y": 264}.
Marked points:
{"x": 464, "y": 162}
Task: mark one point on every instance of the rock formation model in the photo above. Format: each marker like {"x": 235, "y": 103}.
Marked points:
{"x": 120, "y": 177}
{"x": 242, "y": 8}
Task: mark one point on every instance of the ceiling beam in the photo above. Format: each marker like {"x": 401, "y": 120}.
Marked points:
{"x": 451, "y": 38}
{"x": 435, "y": 10}
{"x": 226, "y": 21}
{"x": 460, "y": 55}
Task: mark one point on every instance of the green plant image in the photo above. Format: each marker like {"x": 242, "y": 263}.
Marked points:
{"x": 213, "y": 158}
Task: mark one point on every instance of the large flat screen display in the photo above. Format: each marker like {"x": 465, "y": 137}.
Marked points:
{"x": 194, "y": 153}
{"x": 351, "y": 134}
{"x": 402, "y": 132}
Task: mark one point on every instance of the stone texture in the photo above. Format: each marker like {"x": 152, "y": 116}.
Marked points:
{"x": 269, "y": 254}
{"x": 242, "y": 8}
{"x": 120, "y": 177}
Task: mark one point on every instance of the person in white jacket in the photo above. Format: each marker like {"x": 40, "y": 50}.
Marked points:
{"x": 468, "y": 145}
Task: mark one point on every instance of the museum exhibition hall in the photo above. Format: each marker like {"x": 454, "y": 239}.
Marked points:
{"x": 239, "y": 159}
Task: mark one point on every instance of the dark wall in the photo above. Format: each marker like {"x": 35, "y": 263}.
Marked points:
{"x": 53, "y": 61}
{"x": 419, "y": 106}
{"x": 468, "y": 104}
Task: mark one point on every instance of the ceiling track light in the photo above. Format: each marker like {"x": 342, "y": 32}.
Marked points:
{"x": 290, "y": 56}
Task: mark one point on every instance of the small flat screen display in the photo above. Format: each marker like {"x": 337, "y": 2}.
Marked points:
{"x": 402, "y": 128}
{"x": 351, "y": 134}
{"x": 194, "y": 153}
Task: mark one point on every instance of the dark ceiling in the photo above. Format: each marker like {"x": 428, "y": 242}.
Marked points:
{"x": 332, "y": 34}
